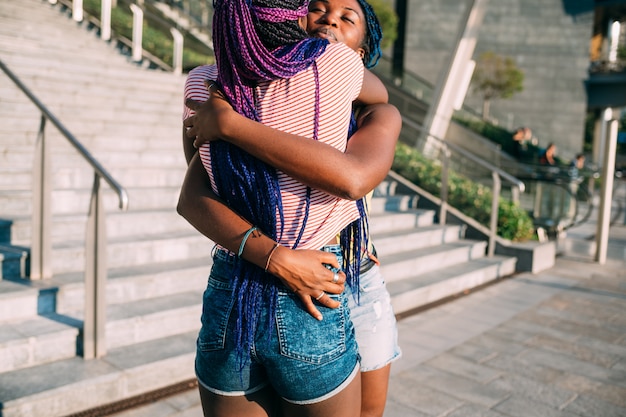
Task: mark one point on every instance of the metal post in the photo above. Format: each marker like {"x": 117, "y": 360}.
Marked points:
{"x": 495, "y": 205}
{"x": 77, "y": 10}
{"x": 606, "y": 192}
{"x": 40, "y": 255}
{"x": 137, "y": 32}
{"x": 440, "y": 110}
{"x": 105, "y": 20}
{"x": 445, "y": 164}
{"x": 94, "y": 342}
{"x": 515, "y": 195}
{"x": 178, "y": 51}
{"x": 397, "y": 61}
{"x": 538, "y": 200}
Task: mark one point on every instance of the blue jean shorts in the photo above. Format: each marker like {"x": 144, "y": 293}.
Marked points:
{"x": 303, "y": 359}
{"x": 373, "y": 319}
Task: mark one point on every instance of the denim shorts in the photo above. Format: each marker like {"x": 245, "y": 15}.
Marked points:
{"x": 373, "y": 319}
{"x": 303, "y": 359}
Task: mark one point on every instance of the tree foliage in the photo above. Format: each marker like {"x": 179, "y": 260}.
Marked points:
{"x": 388, "y": 21}
{"x": 495, "y": 77}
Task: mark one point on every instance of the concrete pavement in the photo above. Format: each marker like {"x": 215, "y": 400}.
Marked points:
{"x": 553, "y": 344}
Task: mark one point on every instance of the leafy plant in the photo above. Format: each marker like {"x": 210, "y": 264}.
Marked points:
{"x": 496, "y": 76}
{"x": 471, "y": 198}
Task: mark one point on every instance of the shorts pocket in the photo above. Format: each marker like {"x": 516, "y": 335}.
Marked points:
{"x": 302, "y": 337}
{"x": 217, "y": 304}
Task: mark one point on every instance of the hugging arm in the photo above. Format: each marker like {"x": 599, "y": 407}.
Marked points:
{"x": 373, "y": 90}
{"x": 350, "y": 174}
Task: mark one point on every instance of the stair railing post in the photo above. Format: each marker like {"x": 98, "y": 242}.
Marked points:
{"x": 77, "y": 10}
{"x": 205, "y": 15}
{"x": 105, "y": 20}
{"x": 495, "y": 206}
{"x": 94, "y": 337}
{"x": 178, "y": 51}
{"x": 445, "y": 165}
{"x": 515, "y": 191}
{"x": 137, "y": 32}
{"x": 40, "y": 265}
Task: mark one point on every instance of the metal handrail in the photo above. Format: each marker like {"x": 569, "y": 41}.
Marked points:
{"x": 497, "y": 175}
{"x": 121, "y": 192}
{"x": 106, "y": 34}
{"x": 519, "y": 184}
{"x": 95, "y": 240}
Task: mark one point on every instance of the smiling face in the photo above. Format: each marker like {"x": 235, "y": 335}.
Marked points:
{"x": 338, "y": 21}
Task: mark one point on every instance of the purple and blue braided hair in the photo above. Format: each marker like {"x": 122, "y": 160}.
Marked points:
{"x": 373, "y": 35}
{"x": 255, "y": 42}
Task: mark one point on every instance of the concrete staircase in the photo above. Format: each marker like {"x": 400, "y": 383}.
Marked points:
{"x": 129, "y": 118}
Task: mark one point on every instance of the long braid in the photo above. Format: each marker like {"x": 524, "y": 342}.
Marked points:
{"x": 373, "y": 35}
{"x": 355, "y": 237}
{"x": 246, "y": 54}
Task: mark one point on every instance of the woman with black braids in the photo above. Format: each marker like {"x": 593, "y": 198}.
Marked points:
{"x": 367, "y": 158}
{"x": 245, "y": 309}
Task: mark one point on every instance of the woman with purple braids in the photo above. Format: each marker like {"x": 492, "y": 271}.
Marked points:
{"x": 255, "y": 333}
{"x": 350, "y": 174}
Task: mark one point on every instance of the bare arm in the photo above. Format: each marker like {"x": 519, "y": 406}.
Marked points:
{"x": 350, "y": 174}
{"x": 373, "y": 90}
{"x": 303, "y": 271}
{"x": 188, "y": 148}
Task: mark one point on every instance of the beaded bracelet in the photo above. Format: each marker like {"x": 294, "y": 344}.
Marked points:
{"x": 245, "y": 239}
{"x": 267, "y": 264}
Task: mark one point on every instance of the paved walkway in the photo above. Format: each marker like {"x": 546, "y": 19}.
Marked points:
{"x": 548, "y": 345}
{"x": 545, "y": 345}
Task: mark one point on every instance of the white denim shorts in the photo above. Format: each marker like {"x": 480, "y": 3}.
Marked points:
{"x": 373, "y": 319}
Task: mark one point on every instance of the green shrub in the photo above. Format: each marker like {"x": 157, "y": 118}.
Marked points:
{"x": 471, "y": 198}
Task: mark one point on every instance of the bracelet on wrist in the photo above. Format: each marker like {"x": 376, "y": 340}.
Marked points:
{"x": 244, "y": 240}
{"x": 269, "y": 257}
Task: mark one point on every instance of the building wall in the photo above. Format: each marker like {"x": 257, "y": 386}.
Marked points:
{"x": 547, "y": 39}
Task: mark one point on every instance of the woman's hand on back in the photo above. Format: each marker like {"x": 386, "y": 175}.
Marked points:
{"x": 212, "y": 119}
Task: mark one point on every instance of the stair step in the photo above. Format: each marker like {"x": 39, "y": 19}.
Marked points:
{"x": 126, "y": 285}
{"x": 392, "y": 203}
{"x": 421, "y": 290}
{"x": 400, "y": 265}
{"x": 393, "y": 221}
{"x": 150, "y": 319}
{"x": 425, "y": 236}
{"x": 17, "y": 301}
{"x": 5, "y": 231}
{"x": 35, "y": 341}
{"x": 13, "y": 261}
{"x": 119, "y": 224}
{"x": 69, "y": 220}
{"x": 69, "y": 386}
{"x": 134, "y": 251}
